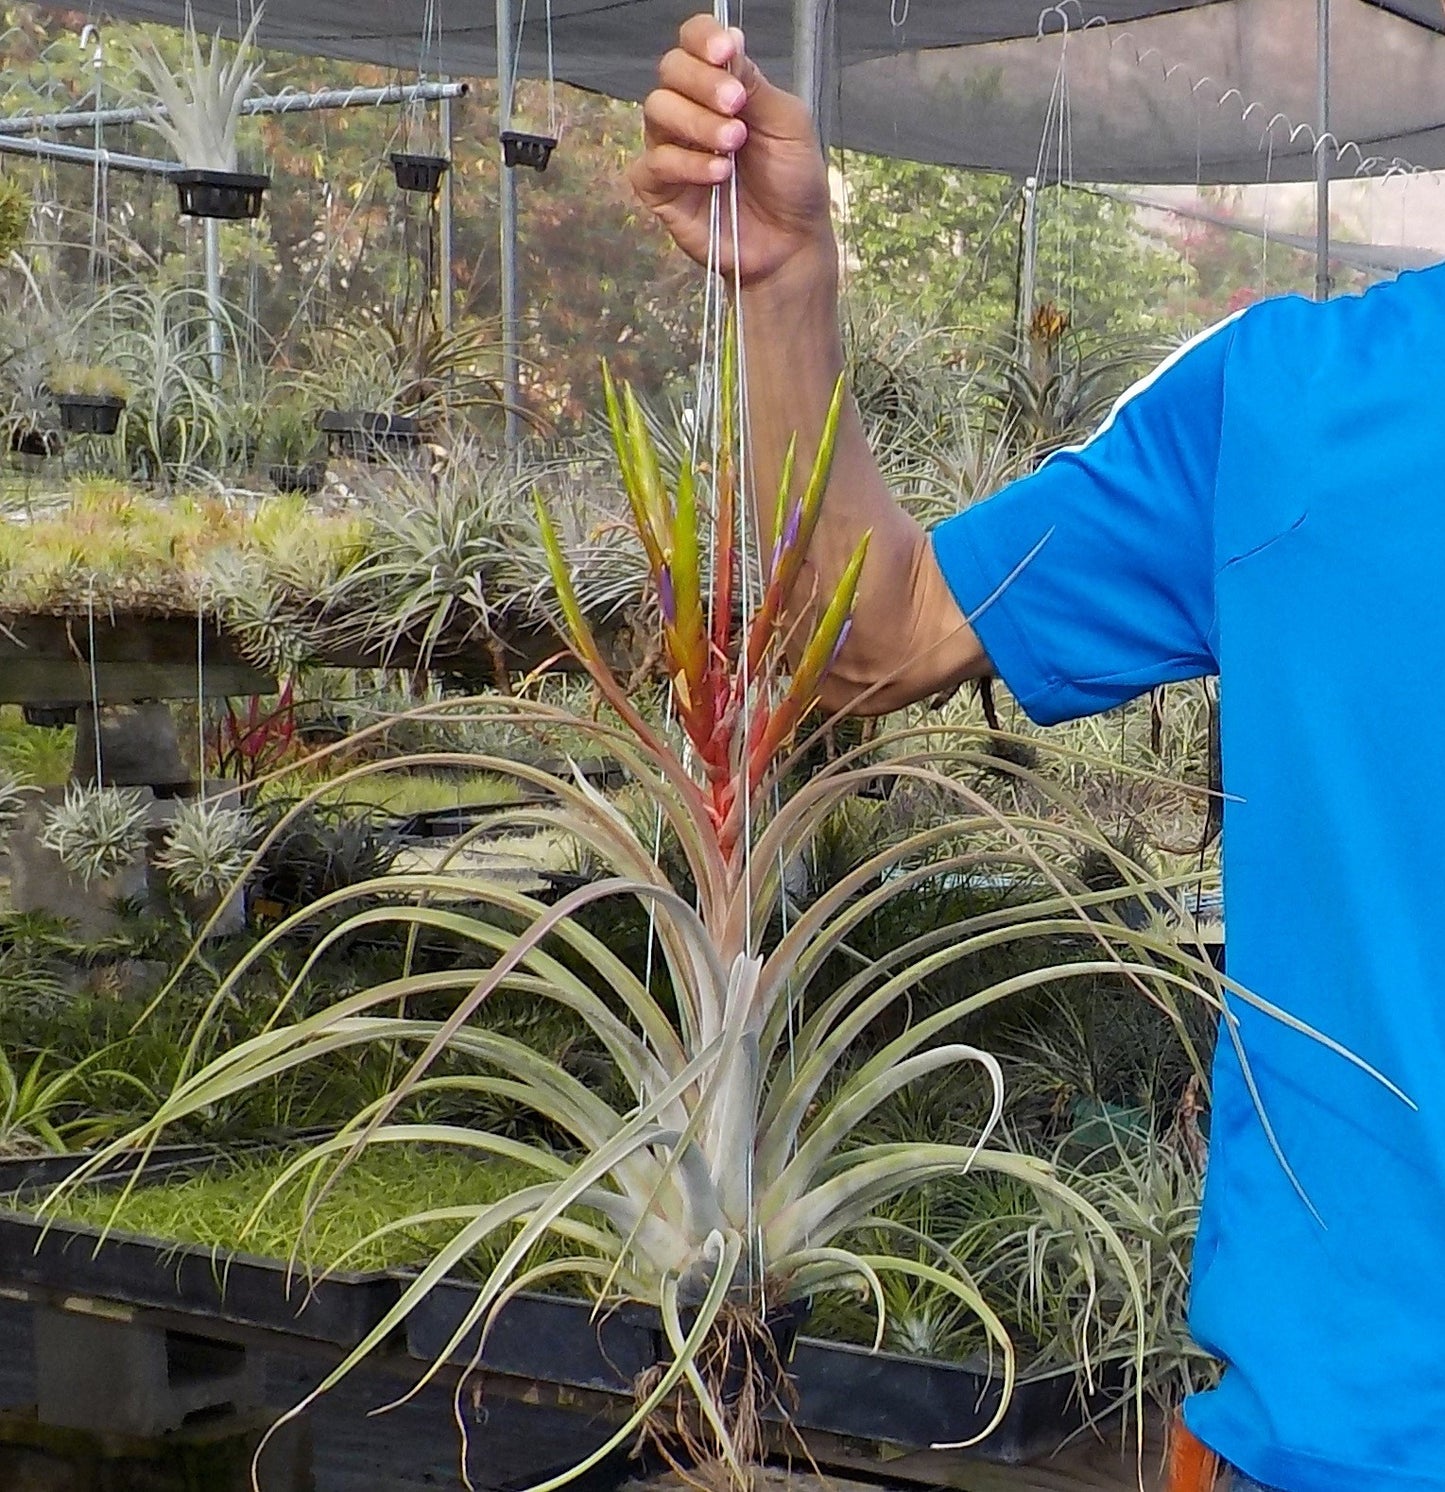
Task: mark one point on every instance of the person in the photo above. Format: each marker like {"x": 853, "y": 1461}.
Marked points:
{"x": 1268, "y": 506}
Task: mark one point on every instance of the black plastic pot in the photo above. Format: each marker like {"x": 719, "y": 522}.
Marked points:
{"x": 367, "y": 435}
{"x": 232, "y": 195}
{"x": 35, "y": 442}
{"x": 419, "y": 173}
{"x": 521, "y": 149}
{"x": 308, "y": 477}
{"x": 90, "y": 414}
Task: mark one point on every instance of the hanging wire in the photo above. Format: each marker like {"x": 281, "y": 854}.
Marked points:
{"x": 94, "y": 680}
{"x": 201, "y": 691}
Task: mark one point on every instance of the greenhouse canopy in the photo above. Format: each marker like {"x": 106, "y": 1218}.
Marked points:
{"x": 1096, "y": 90}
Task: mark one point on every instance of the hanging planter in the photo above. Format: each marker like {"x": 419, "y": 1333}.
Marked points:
{"x": 309, "y": 477}
{"x": 369, "y": 435}
{"x": 231, "y": 195}
{"x": 521, "y": 149}
{"x": 419, "y": 173}
{"x": 34, "y": 441}
{"x": 90, "y": 414}
{"x": 196, "y": 109}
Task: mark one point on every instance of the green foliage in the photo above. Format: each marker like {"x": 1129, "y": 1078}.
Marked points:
{"x": 46, "y": 1108}
{"x": 14, "y": 216}
{"x": 952, "y": 238}
{"x": 289, "y": 436}
{"x": 235, "y": 1207}
{"x": 93, "y": 382}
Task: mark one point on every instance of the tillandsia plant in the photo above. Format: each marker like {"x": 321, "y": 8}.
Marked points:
{"x": 197, "y": 106}
{"x": 97, "y": 831}
{"x": 207, "y": 848}
{"x": 723, "y": 1183}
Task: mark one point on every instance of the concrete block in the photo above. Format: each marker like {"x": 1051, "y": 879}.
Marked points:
{"x": 40, "y": 882}
{"x": 131, "y": 1378}
{"x": 139, "y": 747}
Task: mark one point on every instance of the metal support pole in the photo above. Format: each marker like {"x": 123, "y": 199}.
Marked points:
{"x": 214, "y": 341}
{"x": 275, "y": 103}
{"x": 812, "y": 26}
{"x": 1323, "y": 144}
{"x": 84, "y": 155}
{"x": 511, "y": 379}
{"x": 444, "y": 219}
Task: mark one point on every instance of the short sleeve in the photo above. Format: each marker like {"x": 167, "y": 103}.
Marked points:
{"x": 1092, "y": 579}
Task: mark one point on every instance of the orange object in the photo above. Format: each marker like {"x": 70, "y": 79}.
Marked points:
{"x": 1193, "y": 1467}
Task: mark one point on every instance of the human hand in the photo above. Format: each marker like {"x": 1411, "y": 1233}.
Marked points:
{"x": 714, "y": 112}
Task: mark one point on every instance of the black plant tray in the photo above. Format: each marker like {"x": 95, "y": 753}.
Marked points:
{"x": 230, "y": 195}
{"x": 450, "y": 823}
{"x": 90, "y": 414}
{"x": 369, "y": 435}
{"x": 842, "y": 1390}
{"x": 240, "y": 1289}
{"x": 308, "y": 477}
{"x": 545, "y": 1337}
{"x": 419, "y": 173}
{"x": 918, "y": 1402}
{"x": 522, "y": 149}
{"x": 187, "y": 1279}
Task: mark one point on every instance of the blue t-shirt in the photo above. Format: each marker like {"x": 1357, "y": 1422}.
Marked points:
{"x": 1270, "y": 506}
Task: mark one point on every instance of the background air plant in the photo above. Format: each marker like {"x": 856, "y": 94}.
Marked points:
{"x": 97, "y": 831}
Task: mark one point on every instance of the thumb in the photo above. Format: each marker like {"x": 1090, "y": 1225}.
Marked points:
{"x": 769, "y": 109}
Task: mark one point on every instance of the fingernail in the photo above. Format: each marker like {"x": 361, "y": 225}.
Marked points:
{"x": 733, "y": 97}
{"x": 720, "y": 49}
{"x": 733, "y": 135}
{"x": 720, "y": 168}
{"x": 738, "y": 40}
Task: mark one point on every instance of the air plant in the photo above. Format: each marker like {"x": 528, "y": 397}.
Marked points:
{"x": 97, "y": 831}
{"x": 207, "y": 847}
{"x": 197, "y": 107}
{"x": 726, "y": 1183}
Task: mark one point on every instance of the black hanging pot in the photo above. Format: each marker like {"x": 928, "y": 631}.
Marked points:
{"x": 231, "y": 195}
{"x": 34, "y": 441}
{"x": 90, "y": 414}
{"x": 308, "y": 477}
{"x": 419, "y": 173}
{"x": 368, "y": 435}
{"x": 520, "y": 149}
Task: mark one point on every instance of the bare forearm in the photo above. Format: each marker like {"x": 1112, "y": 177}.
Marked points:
{"x": 908, "y": 639}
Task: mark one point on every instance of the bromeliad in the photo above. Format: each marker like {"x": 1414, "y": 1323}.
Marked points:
{"x": 734, "y": 699}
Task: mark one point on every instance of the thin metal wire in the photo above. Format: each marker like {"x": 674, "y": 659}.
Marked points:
{"x": 94, "y": 681}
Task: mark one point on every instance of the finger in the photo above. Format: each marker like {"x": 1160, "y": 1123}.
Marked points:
{"x": 664, "y": 169}
{"x": 705, "y": 39}
{"x": 672, "y": 118}
{"x": 710, "y": 87}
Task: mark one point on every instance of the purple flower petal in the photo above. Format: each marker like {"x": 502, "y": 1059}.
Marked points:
{"x": 843, "y": 632}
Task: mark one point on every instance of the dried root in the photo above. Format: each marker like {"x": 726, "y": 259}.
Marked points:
{"x": 747, "y": 1380}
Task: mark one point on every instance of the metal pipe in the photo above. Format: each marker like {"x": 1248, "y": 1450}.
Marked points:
{"x": 1323, "y": 144}
{"x": 812, "y": 26}
{"x": 444, "y": 218}
{"x": 511, "y": 377}
{"x": 214, "y": 341}
{"x": 276, "y": 103}
{"x": 84, "y": 155}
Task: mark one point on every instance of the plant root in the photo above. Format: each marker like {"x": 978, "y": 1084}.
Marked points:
{"x": 747, "y": 1381}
